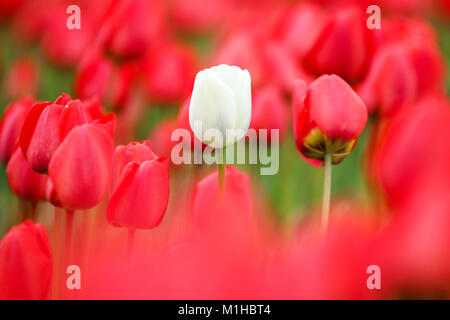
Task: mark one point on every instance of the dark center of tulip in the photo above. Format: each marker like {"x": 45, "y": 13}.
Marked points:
{"x": 316, "y": 144}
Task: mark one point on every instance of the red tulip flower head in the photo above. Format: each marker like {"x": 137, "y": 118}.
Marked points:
{"x": 328, "y": 118}
{"x": 10, "y": 126}
{"x": 344, "y": 46}
{"x": 47, "y": 124}
{"x": 140, "y": 187}
{"x": 25, "y": 263}
{"x": 80, "y": 168}
{"x": 23, "y": 180}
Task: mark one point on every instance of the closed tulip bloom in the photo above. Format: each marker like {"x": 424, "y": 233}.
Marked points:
{"x": 23, "y": 180}
{"x": 328, "y": 118}
{"x": 221, "y": 100}
{"x": 169, "y": 72}
{"x": 233, "y": 208}
{"x": 25, "y": 263}
{"x": 140, "y": 187}
{"x": 10, "y": 126}
{"x": 343, "y": 47}
{"x": 47, "y": 124}
{"x": 80, "y": 168}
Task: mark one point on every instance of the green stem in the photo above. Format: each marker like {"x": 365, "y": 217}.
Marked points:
{"x": 221, "y": 172}
{"x": 326, "y": 193}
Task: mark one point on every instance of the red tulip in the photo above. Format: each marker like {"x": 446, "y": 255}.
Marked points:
{"x": 80, "y": 167}
{"x": 242, "y": 50}
{"x": 46, "y": 126}
{"x": 92, "y": 75}
{"x": 328, "y": 118}
{"x": 212, "y": 209}
{"x": 11, "y": 125}
{"x": 269, "y": 111}
{"x": 303, "y": 21}
{"x": 195, "y": 15}
{"x": 344, "y": 46}
{"x": 140, "y": 187}
{"x": 411, "y": 132}
{"x": 65, "y": 46}
{"x": 25, "y": 263}
{"x": 131, "y": 27}
{"x": 169, "y": 72}
{"x": 23, "y": 180}
{"x": 400, "y": 74}
{"x": 22, "y": 78}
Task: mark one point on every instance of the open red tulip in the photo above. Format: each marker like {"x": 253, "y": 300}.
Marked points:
{"x": 328, "y": 118}
{"x": 25, "y": 263}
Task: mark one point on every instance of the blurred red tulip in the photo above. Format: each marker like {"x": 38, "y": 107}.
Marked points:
{"x": 11, "y": 125}
{"x": 64, "y": 46}
{"x": 46, "y": 126}
{"x": 302, "y": 21}
{"x": 200, "y": 16}
{"x": 92, "y": 75}
{"x": 242, "y": 50}
{"x": 331, "y": 267}
{"x": 269, "y": 111}
{"x": 328, "y": 117}
{"x": 25, "y": 263}
{"x": 22, "y": 78}
{"x": 169, "y": 72}
{"x": 23, "y": 180}
{"x": 400, "y": 74}
{"x": 140, "y": 187}
{"x": 345, "y": 37}
{"x": 406, "y": 147}
{"x": 212, "y": 209}
{"x": 131, "y": 27}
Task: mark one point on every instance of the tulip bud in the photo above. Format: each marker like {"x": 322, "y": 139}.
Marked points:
{"x": 80, "y": 167}
{"x": 344, "y": 46}
{"x": 328, "y": 117}
{"x": 10, "y": 126}
{"x": 25, "y": 263}
{"x": 169, "y": 72}
{"x": 221, "y": 100}
{"x": 47, "y": 124}
{"x": 233, "y": 208}
{"x": 140, "y": 187}
{"x": 23, "y": 180}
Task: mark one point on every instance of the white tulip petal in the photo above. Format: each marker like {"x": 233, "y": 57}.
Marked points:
{"x": 214, "y": 104}
{"x": 221, "y": 99}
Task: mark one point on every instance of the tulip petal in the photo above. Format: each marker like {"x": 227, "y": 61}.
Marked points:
{"x": 141, "y": 196}
{"x": 80, "y": 168}
{"x": 212, "y": 103}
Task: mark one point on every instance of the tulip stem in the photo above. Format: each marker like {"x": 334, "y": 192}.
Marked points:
{"x": 221, "y": 171}
{"x": 69, "y": 230}
{"x": 326, "y": 192}
{"x": 131, "y": 233}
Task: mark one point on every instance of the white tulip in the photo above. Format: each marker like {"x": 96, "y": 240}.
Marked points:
{"x": 221, "y": 102}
